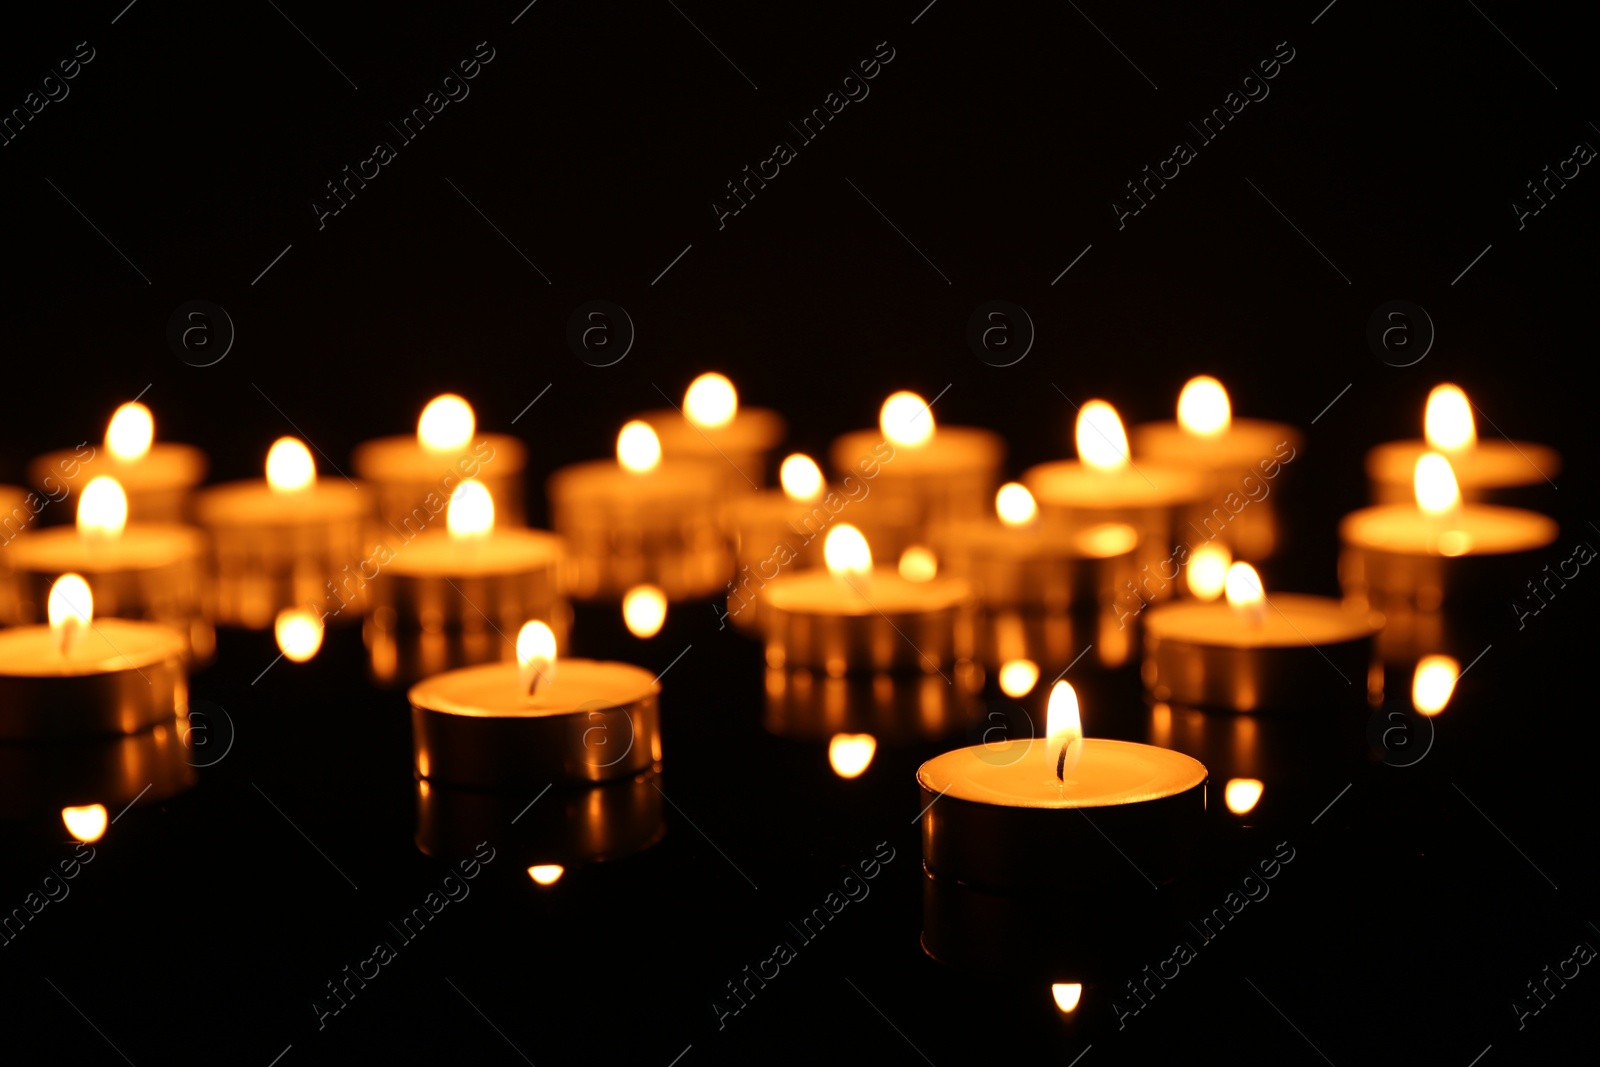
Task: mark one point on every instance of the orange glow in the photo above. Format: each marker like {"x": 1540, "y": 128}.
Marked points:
{"x": 1242, "y": 794}
{"x": 130, "y": 432}
{"x": 801, "y": 478}
{"x": 644, "y": 610}
{"x": 1447, "y": 421}
{"x": 70, "y": 609}
{"x": 1434, "y": 683}
{"x": 1208, "y": 570}
{"x": 1067, "y": 995}
{"x": 536, "y": 654}
{"x": 1203, "y": 407}
{"x": 446, "y": 424}
{"x": 1244, "y": 590}
{"x": 1102, "y": 442}
{"x": 471, "y": 510}
{"x": 1063, "y": 730}
{"x": 906, "y": 420}
{"x": 299, "y": 634}
{"x": 1015, "y": 505}
{"x": 1018, "y": 677}
{"x": 918, "y": 564}
{"x": 846, "y": 552}
{"x": 711, "y": 401}
{"x": 638, "y": 448}
{"x": 851, "y": 754}
{"x": 1434, "y": 482}
{"x": 546, "y": 873}
{"x": 102, "y": 508}
{"x": 1108, "y": 539}
{"x": 289, "y": 466}
{"x": 87, "y": 823}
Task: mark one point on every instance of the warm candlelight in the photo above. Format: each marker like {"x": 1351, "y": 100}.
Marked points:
{"x": 131, "y": 432}
{"x": 1018, "y": 677}
{"x": 850, "y": 754}
{"x": 918, "y": 564}
{"x": 159, "y": 477}
{"x": 644, "y": 610}
{"x": 1242, "y": 794}
{"x": 1447, "y": 423}
{"x": 713, "y": 427}
{"x": 1208, "y": 570}
{"x": 801, "y": 478}
{"x": 1066, "y": 995}
{"x": 891, "y": 709}
{"x": 638, "y": 448}
{"x": 546, "y": 873}
{"x": 906, "y": 420}
{"x": 710, "y": 402}
{"x": 1433, "y": 683}
{"x": 1203, "y": 407}
{"x": 290, "y": 468}
{"x": 298, "y": 633}
{"x": 86, "y": 823}
{"x": 446, "y": 425}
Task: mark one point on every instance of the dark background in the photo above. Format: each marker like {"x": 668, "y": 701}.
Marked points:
{"x": 1396, "y": 141}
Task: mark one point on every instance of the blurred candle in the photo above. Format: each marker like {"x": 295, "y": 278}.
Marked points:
{"x": 714, "y": 428}
{"x": 159, "y": 477}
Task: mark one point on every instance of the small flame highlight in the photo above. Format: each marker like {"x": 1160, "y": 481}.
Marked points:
{"x": 87, "y": 823}
{"x": 710, "y": 402}
{"x": 1018, "y": 677}
{"x": 1063, "y": 730}
{"x": 1067, "y": 995}
{"x": 1015, "y": 505}
{"x": 1434, "y": 482}
{"x": 130, "y": 432}
{"x": 446, "y": 424}
{"x": 918, "y": 564}
{"x": 851, "y": 754}
{"x": 1434, "y": 683}
{"x": 906, "y": 420}
{"x": 536, "y": 655}
{"x": 1447, "y": 421}
{"x": 1208, "y": 570}
{"x": 546, "y": 873}
{"x": 644, "y": 610}
{"x": 801, "y": 478}
{"x": 290, "y": 467}
{"x": 638, "y": 448}
{"x": 102, "y": 508}
{"x": 471, "y": 510}
{"x": 846, "y": 552}
{"x": 299, "y": 634}
{"x": 1244, "y": 591}
{"x": 1242, "y": 794}
{"x": 1102, "y": 442}
{"x": 70, "y": 609}
{"x": 1203, "y": 407}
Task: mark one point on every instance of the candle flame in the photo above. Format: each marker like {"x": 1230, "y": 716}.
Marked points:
{"x": 70, "y": 609}
{"x": 850, "y": 754}
{"x": 1208, "y": 570}
{"x": 546, "y": 873}
{"x": 638, "y": 447}
{"x": 102, "y": 508}
{"x": 801, "y": 478}
{"x": 1242, "y": 794}
{"x": 1447, "y": 421}
{"x": 644, "y": 610}
{"x": 446, "y": 424}
{"x": 1435, "y": 485}
{"x": 846, "y": 552}
{"x": 470, "y": 512}
{"x": 86, "y": 823}
{"x": 1203, "y": 407}
{"x": 299, "y": 634}
{"x": 1067, "y": 995}
{"x": 536, "y": 655}
{"x": 906, "y": 420}
{"x": 1015, "y": 505}
{"x": 1063, "y": 730}
{"x": 1108, "y": 539}
{"x": 1018, "y": 677}
{"x": 1434, "y": 683}
{"x": 130, "y": 431}
{"x": 918, "y": 564}
{"x": 711, "y": 401}
{"x": 1244, "y": 590}
{"x": 290, "y": 467}
{"x": 1102, "y": 442}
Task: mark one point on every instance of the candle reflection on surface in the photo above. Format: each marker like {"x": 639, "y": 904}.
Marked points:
{"x": 1067, "y": 995}
{"x": 1242, "y": 794}
{"x": 851, "y": 754}
{"x": 86, "y": 823}
{"x": 644, "y": 610}
{"x": 546, "y": 873}
{"x": 1434, "y": 683}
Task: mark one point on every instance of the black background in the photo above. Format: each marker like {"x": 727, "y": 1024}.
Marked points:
{"x": 996, "y": 140}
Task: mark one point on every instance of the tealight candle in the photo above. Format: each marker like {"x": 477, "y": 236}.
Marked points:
{"x": 85, "y": 677}
{"x": 404, "y": 471}
{"x": 1254, "y": 653}
{"x": 1235, "y": 454}
{"x": 1484, "y": 470}
{"x": 279, "y": 542}
{"x": 1025, "y": 815}
{"x": 536, "y": 721}
{"x": 714, "y": 428}
{"x": 640, "y": 519}
{"x": 1437, "y": 550}
{"x": 1103, "y": 486}
{"x": 158, "y": 476}
{"x": 143, "y": 570}
{"x": 853, "y": 618}
{"x": 924, "y": 474}
{"x": 449, "y": 601}
{"x": 777, "y": 530}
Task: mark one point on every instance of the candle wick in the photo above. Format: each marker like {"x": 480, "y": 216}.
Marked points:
{"x": 1061, "y": 761}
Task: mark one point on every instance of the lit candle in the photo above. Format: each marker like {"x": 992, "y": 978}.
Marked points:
{"x": 407, "y": 472}
{"x": 1243, "y": 458}
{"x": 138, "y": 570}
{"x": 451, "y": 601}
{"x": 1035, "y": 813}
{"x": 713, "y": 427}
{"x": 1253, "y": 653}
{"x": 922, "y": 473}
{"x": 641, "y": 519}
{"x": 1422, "y": 555}
{"x": 536, "y": 721}
{"x": 1487, "y": 469}
{"x": 158, "y": 476}
{"x": 279, "y": 542}
{"x": 774, "y": 531}
{"x": 83, "y": 677}
{"x": 855, "y": 618}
